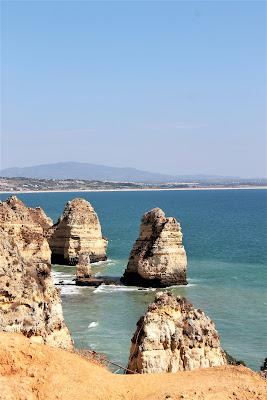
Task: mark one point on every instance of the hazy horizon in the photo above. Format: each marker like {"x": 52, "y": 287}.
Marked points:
{"x": 199, "y": 174}
{"x": 176, "y": 88}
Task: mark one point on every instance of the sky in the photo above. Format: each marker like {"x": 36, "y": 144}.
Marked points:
{"x": 175, "y": 87}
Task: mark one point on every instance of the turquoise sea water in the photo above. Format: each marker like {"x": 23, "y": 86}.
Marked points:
{"x": 224, "y": 236}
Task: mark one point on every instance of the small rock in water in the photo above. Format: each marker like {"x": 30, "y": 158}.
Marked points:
{"x": 83, "y": 268}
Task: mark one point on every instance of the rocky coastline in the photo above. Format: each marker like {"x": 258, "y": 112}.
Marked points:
{"x": 172, "y": 336}
{"x": 29, "y": 300}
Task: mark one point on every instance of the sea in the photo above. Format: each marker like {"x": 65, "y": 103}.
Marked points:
{"x": 225, "y": 240}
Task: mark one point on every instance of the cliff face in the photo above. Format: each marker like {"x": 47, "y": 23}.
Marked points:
{"x": 174, "y": 336}
{"x": 29, "y": 301}
{"x": 27, "y": 226}
{"x": 158, "y": 257}
{"x": 77, "y": 231}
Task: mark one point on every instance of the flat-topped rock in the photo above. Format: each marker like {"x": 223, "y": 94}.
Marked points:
{"x": 29, "y": 300}
{"x": 174, "y": 336}
{"x": 77, "y": 231}
{"x": 97, "y": 281}
{"x": 158, "y": 257}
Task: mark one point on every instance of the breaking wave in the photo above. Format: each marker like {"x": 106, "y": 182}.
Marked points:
{"x": 70, "y": 290}
{"x": 120, "y": 288}
{"x": 106, "y": 263}
{"x": 182, "y": 286}
{"x": 65, "y": 277}
{"x": 93, "y": 324}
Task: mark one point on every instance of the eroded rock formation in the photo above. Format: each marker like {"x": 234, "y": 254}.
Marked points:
{"x": 27, "y": 226}
{"x": 29, "y": 301}
{"x": 174, "y": 336}
{"x": 83, "y": 268}
{"x": 77, "y": 231}
{"x": 158, "y": 257}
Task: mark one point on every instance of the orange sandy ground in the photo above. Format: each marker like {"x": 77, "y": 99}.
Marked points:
{"x": 30, "y": 372}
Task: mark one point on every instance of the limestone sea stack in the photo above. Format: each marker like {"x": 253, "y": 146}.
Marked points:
{"x": 174, "y": 336}
{"x": 158, "y": 257}
{"x": 29, "y": 300}
{"x": 77, "y": 231}
{"x": 83, "y": 268}
{"x": 27, "y": 226}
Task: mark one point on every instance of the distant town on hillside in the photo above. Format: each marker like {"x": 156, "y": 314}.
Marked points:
{"x": 33, "y": 184}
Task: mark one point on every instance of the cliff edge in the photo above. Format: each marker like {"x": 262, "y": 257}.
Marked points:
{"x": 37, "y": 372}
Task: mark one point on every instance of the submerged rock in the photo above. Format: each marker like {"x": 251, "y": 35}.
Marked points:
{"x": 174, "y": 336}
{"x": 29, "y": 301}
{"x": 27, "y": 226}
{"x": 158, "y": 257}
{"x": 263, "y": 370}
{"x": 232, "y": 360}
{"x": 77, "y": 231}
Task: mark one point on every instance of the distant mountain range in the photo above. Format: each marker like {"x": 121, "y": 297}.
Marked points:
{"x": 77, "y": 170}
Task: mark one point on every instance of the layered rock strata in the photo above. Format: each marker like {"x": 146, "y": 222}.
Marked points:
{"x": 83, "y": 268}
{"x": 29, "y": 301}
{"x": 77, "y": 231}
{"x": 174, "y": 336}
{"x": 28, "y": 227}
{"x": 158, "y": 257}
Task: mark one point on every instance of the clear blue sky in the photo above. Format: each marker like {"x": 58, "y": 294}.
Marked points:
{"x": 174, "y": 87}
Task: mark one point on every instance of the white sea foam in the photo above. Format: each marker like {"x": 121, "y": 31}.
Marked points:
{"x": 59, "y": 274}
{"x": 182, "y": 286}
{"x": 105, "y": 263}
{"x": 70, "y": 289}
{"x": 120, "y": 288}
{"x": 62, "y": 278}
{"x": 93, "y": 324}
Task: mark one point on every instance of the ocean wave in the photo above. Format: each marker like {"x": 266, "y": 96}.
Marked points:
{"x": 62, "y": 278}
{"x": 93, "y": 324}
{"x": 195, "y": 280}
{"x": 59, "y": 274}
{"x": 107, "y": 262}
{"x": 182, "y": 286}
{"x": 120, "y": 288}
{"x": 70, "y": 289}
